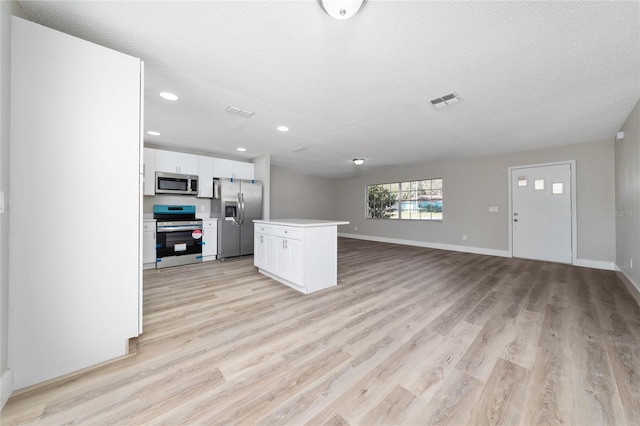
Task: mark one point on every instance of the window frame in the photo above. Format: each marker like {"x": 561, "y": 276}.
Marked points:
{"x": 413, "y": 187}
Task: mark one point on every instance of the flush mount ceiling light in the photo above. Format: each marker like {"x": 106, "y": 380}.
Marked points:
{"x": 358, "y": 161}
{"x": 445, "y": 100}
{"x": 152, "y": 133}
{"x": 283, "y": 128}
{"x": 341, "y": 9}
{"x": 168, "y": 96}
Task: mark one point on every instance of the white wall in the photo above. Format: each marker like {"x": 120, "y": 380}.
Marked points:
{"x": 471, "y": 186}
{"x": 73, "y": 272}
{"x": 7, "y": 8}
{"x": 295, "y": 195}
{"x": 627, "y": 160}
{"x": 262, "y": 172}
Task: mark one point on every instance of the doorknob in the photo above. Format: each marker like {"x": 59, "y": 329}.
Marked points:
{"x": 515, "y": 220}
{"x": 515, "y": 214}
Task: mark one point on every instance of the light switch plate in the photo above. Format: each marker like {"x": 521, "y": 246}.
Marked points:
{"x": 493, "y": 209}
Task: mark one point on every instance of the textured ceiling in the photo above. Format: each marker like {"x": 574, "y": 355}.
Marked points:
{"x": 530, "y": 75}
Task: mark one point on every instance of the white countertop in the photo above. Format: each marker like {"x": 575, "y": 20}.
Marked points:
{"x": 302, "y": 223}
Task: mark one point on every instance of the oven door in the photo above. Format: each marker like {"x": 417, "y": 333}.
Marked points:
{"x": 178, "y": 241}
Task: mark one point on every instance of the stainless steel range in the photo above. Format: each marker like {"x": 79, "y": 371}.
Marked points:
{"x": 178, "y": 235}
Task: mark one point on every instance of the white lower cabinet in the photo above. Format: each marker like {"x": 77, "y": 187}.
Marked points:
{"x": 149, "y": 244}
{"x": 303, "y": 257}
{"x": 264, "y": 251}
{"x": 209, "y": 239}
{"x": 288, "y": 259}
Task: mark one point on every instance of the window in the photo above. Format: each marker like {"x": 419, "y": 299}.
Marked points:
{"x": 413, "y": 200}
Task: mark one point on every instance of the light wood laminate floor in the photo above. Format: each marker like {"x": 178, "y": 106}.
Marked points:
{"x": 409, "y": 336}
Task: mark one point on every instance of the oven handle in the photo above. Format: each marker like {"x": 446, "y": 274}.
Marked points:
{"x": 178, "y": 228}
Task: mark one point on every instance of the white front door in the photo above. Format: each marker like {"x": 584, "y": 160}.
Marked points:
{"x": 541, "y": 212}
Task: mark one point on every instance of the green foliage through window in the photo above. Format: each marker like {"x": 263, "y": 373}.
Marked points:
{"x": 413, "y": 200}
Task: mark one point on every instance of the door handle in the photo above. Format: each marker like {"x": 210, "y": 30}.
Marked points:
{"x": 242, "y": 211}
{"x": 515, "y": 220}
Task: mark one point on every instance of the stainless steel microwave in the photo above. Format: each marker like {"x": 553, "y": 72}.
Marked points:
{"x": 171, "y": 183}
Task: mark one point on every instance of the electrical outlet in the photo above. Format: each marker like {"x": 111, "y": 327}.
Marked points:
{"x": 464, "y": 238}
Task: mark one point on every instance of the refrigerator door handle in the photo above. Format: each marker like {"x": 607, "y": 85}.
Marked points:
{"x": 242, "y": 210}
{"x": 237, "y": 217}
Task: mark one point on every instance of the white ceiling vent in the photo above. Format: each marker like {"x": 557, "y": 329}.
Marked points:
{"x": 239, "y": 111}
{"x": 445, "y": 100}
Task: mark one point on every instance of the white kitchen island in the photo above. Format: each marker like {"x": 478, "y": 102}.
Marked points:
{"x": 301, "y": 253}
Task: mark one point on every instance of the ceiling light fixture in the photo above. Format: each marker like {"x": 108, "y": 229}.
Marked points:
{"x": 152, "y": 133}
{"x": 239, "y": 111}
{"x": 241, "y": 149}
{"x": 169, "y": 96}
{"x": 341, "y": 9}
{"x": 358, "y": 161}
{"x": 283, "y": 128}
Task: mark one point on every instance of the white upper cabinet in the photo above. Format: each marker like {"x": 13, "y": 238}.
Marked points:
{"x": 243, "y": 170}
{"x": 176, "y": 162}
{"x": 149, "y": 171}
{"x": 223, "y": 168}
{"x": 205, "y": 177}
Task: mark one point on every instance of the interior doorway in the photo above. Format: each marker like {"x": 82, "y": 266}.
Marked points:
{"x": 541, "y": 221}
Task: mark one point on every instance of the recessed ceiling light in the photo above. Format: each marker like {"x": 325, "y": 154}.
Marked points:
{"x": 241, "y": 149}
{"x": 283, "y": 128}
{"x": 358, "y": 161}
{"x": 152, "y": 133}
{"x": 169, "y": 96}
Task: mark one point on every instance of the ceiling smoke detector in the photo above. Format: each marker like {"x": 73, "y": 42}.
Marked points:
{"x": 445, "y": 100}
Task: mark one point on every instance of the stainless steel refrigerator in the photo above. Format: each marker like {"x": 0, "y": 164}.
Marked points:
{"x": 236, "y": 203}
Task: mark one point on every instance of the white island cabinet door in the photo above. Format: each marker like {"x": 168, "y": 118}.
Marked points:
{"x": 259, "y": 250}
{"x": 75, "y": 148}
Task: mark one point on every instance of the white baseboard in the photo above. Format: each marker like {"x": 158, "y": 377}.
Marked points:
{"x": 595, "y": 264}
{"x": 587, "y": 263}
{"x": 6, "y": 387}
{"x": 439, "y": 246}
{"x": 633, "y": 287}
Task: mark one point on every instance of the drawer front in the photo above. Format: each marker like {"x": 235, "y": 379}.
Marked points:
{"x": 208, "y": 224}
{"x": 148, "y": 226}
{"x": 263, "y": 229}
{"x": 288, "y": 232}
